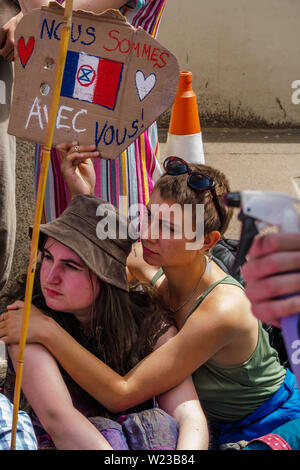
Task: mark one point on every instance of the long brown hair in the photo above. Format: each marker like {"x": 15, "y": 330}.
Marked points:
{"x": 125, "y": 326}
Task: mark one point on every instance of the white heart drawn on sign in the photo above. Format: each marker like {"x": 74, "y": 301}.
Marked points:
{"x": 144, "y": 85}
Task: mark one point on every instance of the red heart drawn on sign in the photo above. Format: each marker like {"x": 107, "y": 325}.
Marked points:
{"x": 25, "y": 51}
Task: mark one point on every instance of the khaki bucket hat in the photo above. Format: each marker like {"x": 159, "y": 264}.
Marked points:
{"x": 98, "y": 233}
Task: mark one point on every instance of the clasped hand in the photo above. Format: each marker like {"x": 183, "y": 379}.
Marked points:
{"x": 11, "y": 323}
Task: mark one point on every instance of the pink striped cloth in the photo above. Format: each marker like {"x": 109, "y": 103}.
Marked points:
{"x": 130, "y": 178}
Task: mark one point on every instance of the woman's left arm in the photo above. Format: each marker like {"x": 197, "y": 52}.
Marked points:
{"x": 183, "y": 404}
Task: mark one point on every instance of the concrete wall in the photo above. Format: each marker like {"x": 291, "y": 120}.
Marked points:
{"x": 244, "y": 56}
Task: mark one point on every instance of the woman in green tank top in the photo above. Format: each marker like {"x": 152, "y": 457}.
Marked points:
{"x": 238, "y": 372}
{"x": 238, "y": 376}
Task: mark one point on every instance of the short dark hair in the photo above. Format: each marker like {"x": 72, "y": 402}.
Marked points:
{"x": 176, "y": 189}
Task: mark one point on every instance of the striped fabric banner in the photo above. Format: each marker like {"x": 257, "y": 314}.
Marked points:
{"x": 148, "y": 16}
{"x": 130, "y": 178}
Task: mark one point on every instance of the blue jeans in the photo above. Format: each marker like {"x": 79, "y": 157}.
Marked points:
{"x": 283, "y": 406}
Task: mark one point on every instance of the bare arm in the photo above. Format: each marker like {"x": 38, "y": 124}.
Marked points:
{"x": 27, "y": 5}
{"x": 195, "y": 343}
{"x": 48, "y": 395}
{"x": 97, "y": 6}
{"x": 137, "y": 268}
{"x": 182, "y": 403}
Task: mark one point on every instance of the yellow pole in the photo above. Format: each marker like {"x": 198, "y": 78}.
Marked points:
{"x": 63, "y": 47}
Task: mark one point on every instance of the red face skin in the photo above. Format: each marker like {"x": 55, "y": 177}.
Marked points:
{"x": 67, "y": 283}
{"x": 160, "y": 251}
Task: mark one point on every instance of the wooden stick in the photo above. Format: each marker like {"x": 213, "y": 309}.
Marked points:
{"x": 46, "y": 152}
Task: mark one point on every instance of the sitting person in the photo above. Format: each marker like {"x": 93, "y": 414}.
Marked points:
{"x": 82, "y": 284}
{"x": 242, "y": 387}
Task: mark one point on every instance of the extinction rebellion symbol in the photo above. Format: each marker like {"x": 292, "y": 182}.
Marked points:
{"x": 86, "y": 75}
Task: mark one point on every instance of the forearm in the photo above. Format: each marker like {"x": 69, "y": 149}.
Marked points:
{"x": 97, "y": 6}
{"x": 170, "y": 364}
{"x": 48, "y": 395}
{"x": 182, "y": 403}
{"x": 193, "y": 434}
{"x": 70, "y": 430}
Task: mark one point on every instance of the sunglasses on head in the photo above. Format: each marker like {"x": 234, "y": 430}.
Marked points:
{"x": 175, "y": 166}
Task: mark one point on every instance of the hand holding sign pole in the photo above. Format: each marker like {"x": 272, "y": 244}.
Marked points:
{"x": 24, "y": 54}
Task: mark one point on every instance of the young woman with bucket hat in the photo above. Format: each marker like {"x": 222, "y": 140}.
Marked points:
{"x": 82, "y": 285}
{"x": 244, "y": 390}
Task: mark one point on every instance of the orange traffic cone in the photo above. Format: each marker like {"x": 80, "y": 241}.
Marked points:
{"x": 184, "y": 136}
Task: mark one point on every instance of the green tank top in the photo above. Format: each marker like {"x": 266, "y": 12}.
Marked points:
{"x": 230, "y": 393}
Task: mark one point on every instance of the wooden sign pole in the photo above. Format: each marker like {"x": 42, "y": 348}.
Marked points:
{"x": 46, "y": 151}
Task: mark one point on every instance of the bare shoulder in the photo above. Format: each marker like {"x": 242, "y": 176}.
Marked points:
{"x": 237, "y": 327}
{"x": 226, "y": 308}
{"x": 137, "y": 268}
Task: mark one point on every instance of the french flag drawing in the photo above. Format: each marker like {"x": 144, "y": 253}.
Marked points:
{"x": 93, "y": 79}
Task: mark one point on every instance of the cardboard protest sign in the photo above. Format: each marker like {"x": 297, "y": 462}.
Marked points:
{"x": 117, "y": 79}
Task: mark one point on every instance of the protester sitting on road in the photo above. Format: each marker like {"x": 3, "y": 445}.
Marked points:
{"x": 82, "y": 285}
{"x": 243, "y": 389}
